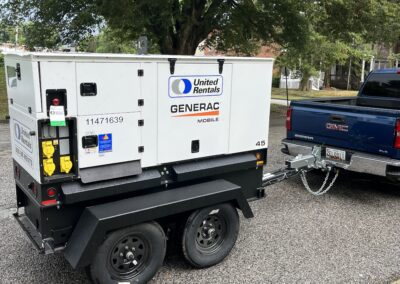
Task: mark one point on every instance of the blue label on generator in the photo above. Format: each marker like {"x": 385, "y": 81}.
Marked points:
{"x": 105, "y": 143}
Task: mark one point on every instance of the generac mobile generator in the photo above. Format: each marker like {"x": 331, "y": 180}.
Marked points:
{"x": 112, "y": 153}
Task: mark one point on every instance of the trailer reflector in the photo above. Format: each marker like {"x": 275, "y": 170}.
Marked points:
{"x": 260, "y": 159}
{"x": 49, "y": 202}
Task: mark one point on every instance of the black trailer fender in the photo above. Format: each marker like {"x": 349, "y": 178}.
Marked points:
{"x": 97, "y": 220}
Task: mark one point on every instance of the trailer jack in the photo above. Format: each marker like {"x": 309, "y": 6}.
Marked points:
{"x": 300, "y": 165}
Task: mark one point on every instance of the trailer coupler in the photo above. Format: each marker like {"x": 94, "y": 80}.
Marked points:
{"x": 301, "y": 164}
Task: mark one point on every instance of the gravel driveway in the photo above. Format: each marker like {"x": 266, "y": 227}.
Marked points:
{"x": 350, "y": 235}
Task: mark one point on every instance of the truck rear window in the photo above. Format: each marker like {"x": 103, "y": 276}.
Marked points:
{"x": 382, "y": 85}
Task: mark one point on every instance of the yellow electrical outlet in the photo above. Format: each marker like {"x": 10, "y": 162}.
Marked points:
{"x": 48, "y": 167}
{"x": 48, "y": 149}
{"x": 65, "y": 164}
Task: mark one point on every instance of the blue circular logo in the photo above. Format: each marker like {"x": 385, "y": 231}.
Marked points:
{"x": 181, "y": 86}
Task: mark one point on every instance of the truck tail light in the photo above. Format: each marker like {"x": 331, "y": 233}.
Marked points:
{"x": 397, "y": 135}
{"x": 289, "y": 119}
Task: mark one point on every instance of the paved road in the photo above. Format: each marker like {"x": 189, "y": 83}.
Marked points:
{"x": 350, "y": 235}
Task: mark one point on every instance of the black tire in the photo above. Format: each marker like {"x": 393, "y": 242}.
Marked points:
{"x": 132, "y": 255}
{"x": 210, "y": 234}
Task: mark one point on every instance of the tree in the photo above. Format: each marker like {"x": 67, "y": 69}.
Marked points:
{"x": 175, "y": 26}
{"x": 106, "y": 42}
{"x": 39, "y": 36}
{"x": 340, "y": 32}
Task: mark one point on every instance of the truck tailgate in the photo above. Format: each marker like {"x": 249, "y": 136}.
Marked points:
{"x": 348, "y": 126}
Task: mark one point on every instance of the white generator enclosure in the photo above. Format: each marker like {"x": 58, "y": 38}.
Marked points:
{"x": 102, "y": 116}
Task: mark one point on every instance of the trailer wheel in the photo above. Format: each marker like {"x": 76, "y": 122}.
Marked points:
{"x": 130, "y": 255}
{"x": 210, "y": 234}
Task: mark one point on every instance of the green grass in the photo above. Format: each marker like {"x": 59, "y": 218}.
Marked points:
{"x": 302, "y": 95}
{"x": 278, "y": 109}
{"x": 3, "y": 95}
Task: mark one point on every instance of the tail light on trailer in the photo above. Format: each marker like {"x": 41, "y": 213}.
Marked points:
{"x": 397, "y": 135}
{"x": 49, "y": 197}
{"x": 289, "y": 118}
{"x": 51, "y": 192}
{"x": 50, "y": 202}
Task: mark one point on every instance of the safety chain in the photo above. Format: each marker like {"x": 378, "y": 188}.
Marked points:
{"x": 322, "y": 190}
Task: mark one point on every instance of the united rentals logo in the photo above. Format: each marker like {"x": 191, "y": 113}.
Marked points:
{"x": 195, "y": 86}
{"x": 22, "y": 136}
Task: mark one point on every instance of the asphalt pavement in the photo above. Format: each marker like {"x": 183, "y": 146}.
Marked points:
{"x": 349, "y": 235}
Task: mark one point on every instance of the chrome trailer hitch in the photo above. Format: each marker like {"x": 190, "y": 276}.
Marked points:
{"x": 301, "y": 164}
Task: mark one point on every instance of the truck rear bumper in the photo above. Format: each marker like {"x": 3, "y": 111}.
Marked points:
{"x": 359, "y": 162}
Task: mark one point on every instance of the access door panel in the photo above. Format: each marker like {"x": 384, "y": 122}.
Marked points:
{"x": 105, "y": 88}
{"x": 193, "y": 111}
{"x": 108, "y": 139}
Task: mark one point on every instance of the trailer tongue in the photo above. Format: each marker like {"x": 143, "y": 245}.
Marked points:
{"x": 300, "y": 165}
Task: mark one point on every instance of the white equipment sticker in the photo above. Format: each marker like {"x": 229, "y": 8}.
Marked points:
{"x": 57, "y": 116}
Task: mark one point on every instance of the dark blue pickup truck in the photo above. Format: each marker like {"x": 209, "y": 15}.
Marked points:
{"x": 360, "y": 134}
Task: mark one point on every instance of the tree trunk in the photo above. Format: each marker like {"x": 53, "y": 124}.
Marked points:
{"x": 304, "y": 86}
{"x": 327, "y": 78}
{"x": 194, "y": 26}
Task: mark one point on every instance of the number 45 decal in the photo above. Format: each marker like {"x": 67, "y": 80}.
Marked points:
{"x": 260, "y": 143}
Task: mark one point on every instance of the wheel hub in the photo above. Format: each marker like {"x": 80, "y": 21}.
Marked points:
{"x": 128, "y": 256}
{"x": 211, "y": 232}
{"x": 208, "y": 231}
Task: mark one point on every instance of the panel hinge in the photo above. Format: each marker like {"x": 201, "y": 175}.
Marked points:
{"x": 172, "y": 65}
{"x": 140, "y": 102}
{"x": 141, "y": 149}
{"x": 140, "y": 122}
{"x": 140, "y": 72}
{"x": 220, "y": 65}
{"x": 18, "y": 71}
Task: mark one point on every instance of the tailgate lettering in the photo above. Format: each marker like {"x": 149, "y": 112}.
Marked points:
{"x": 337, "y": 127}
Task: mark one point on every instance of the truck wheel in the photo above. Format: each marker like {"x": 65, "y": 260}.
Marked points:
{"x": 130, "y": 255}
{"x": 210, "y": 234}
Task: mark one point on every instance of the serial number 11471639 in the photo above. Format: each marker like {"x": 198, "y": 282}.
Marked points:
{"x": 105, "y": 120}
